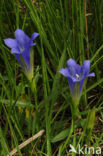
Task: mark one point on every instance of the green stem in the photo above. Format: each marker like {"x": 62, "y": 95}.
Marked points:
{"x": 75, "y": 109}
{"x": 34, "y": 91}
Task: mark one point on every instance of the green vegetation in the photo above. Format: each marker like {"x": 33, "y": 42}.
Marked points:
{"x": 67, "y": 29}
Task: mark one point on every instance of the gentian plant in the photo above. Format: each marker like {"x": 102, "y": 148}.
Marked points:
{"x": 76, "y": 75}
{"x": 22, "y": 48}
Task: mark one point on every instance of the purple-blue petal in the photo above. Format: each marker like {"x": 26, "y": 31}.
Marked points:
{"x": 81, "y": 86}
{"x": 23, "y": 61}
{"x": 22, "y": 39}
{"x": 26, "y": 57}
{"x": 64, "y": 71}
{"x": 73, "y": 67}
{"x": 85, "y": 68}
{"x": 15, "y": 50}
{"x": 34, "y": 35}
{"x": 71, "y": 64}
{"x": 82, "y": 81}
{"x": 33, "y": 44}
{"x": 71, "y": 85}
{"x": 18, "y": 57}
{"x": 11, "y": 43}
{"x": 76, "y": 75}
{"x": 21, "y": 47}
{"x": 91, "y": 75}
{"x": 75, "y": 79}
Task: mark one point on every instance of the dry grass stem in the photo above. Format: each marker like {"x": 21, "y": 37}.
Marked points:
{"x": 25, "y": 143}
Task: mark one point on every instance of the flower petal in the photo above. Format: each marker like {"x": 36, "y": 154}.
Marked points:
{"x": 11, "y": 43}
{"x": 15, "y": 51}
{"x": 91, "y": 75}
{"x": 34, "y": 35}
{"x": 81, "y": 86}
{"x": 26, "y": 57}
{"x": 73, "y": 67}
{"x": 71, "y": 64}
{"x": 22, "y": 38}
{"x": 33, "y": 44}
{"x": 71, "y": 85}
{"x": 19, "y": 59}
{"x": 64, "y": 71}
{"x": 85, "y": 68}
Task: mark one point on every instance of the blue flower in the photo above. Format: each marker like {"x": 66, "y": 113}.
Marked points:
{"x": 21, "y": 47}
{"x": 76, "y": 75}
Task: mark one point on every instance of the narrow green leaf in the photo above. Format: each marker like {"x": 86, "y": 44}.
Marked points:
{"x": 62, "y": 135}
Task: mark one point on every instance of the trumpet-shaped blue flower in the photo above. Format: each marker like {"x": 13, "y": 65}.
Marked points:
{"x": 76, "y": 75}
{"x": 21, "y": 47}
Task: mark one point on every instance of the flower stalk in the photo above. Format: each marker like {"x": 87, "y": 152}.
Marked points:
{"x": 75, "y": 109}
